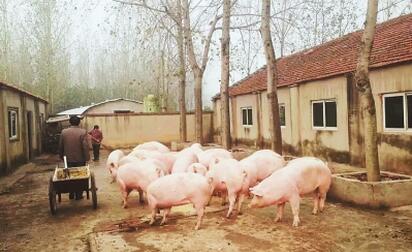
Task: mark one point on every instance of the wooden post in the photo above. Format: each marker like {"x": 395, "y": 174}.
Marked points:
{"x": 23, "y": 126}
{"x": 37, "y": 122}
{"x": 4, "y": 139}
{"x": 260, "y": 139}
{"x": 234, "y": 119}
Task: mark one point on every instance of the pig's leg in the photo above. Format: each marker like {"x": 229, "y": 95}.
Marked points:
{"x": 279, "y": 213}
{"x": 141, "y": 197}
{"x": 322, "y": 199}
{"x": 323, "y": 190}
{"x": 125, "y": 194}
{"x": 223, "y": 195}
{"x": 153, "y": 217}
{"x": 200, "y": 210}
{"x": 166, "y": 212}
{"x": 239, "y": 203}
{"x": 315, "y": 202}
{"x": 232, "y": 201}
{"x": 294, "y": 203}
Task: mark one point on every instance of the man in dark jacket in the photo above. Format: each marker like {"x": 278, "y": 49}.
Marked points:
{"x": 75, "y": 146}
{"x": 97, "y": 137}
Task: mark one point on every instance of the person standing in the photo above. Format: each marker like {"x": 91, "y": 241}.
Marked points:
{"x": 74, "y": 145}
{"x": 97, "y": 137}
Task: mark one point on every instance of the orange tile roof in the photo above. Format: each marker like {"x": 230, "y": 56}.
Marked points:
{"x": 392, "y": 44}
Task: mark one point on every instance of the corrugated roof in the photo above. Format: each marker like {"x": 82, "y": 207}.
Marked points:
{"x": 82, "y": 110}
{"x": 20, "y": 90}
{"x": 392, "y": 44}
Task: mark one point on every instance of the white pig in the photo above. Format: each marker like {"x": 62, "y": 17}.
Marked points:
{"x": 197, "y": 168}
{"x": 168, "y": 158}
{"x": 183, "y": 162}
{"x": 152, "y": 146}
{"x": 207, "y": 156}
{"x": 179, "y": 189}
{"x": 137, "y": 176}
{"x": 260, "y": 165}
{"x": 228, "y": 178}
{"x": 299, "y": 177}
{"x": 112, "y": 162}
{"x": 194, "y": 148}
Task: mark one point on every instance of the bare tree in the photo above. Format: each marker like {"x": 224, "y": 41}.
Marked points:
{"x": 224, "y": 85}
{"x": 197, "y": 69}
{"x": 274, "y": 122}
{"x": 364, "y": 87}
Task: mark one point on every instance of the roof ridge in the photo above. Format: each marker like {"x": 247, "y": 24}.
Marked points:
{"x": 22, "y": 90}
{"x": 392, "y": 44}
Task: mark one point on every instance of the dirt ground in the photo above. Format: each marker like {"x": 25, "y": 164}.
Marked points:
{"x": 26, "y": 224}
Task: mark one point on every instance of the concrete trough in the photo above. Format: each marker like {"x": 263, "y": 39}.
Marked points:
{"x": 382, "y": 194}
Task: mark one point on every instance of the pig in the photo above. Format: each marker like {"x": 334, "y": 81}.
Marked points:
{"x": 197, "y": 168}
{"x": 299, "y": 177}
{"x": 112, "y": 162}
{"x": 205, "y": 157}
{"x": 183, "y": 162}
{"x": 153, "y": 146}
{"x": 228, "y": 178}
{"x": 124, "y": 160}
{"x": 168, "y": 159}
{"x": 260, "y": 165}
{"x": 137, "y": 176}
{"x": 194, "y": 148}
{"x": 179, "y": 189}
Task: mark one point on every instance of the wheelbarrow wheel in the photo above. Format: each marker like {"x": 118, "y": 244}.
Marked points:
{"x": 93, "y": 189}
{"x": 52, "y": 197}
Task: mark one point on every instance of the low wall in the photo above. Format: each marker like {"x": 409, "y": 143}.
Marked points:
{"x": 128, "y": 130}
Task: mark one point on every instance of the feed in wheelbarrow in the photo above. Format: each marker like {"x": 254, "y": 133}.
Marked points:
{"x": 72, "y": 173}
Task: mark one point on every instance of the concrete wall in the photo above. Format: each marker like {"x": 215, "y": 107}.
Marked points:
{"x": 333, "y": 144}
{"x": 395, "y": 148}
{"x": 126, "y": 130}
{"x": 109, "y": 107}
{"x": 14, "y": 152}
{"x": 343, "y": 144}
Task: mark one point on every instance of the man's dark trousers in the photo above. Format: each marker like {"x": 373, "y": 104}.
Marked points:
{"x": 96, "y": 150}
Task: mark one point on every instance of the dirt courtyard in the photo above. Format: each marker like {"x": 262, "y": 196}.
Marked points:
{"x": 27, "y": 225}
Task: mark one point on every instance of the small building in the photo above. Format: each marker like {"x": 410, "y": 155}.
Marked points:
{"x": 114, "y": 106}
{"x": 319, "y": 103}
{"x": 22, "y": 116}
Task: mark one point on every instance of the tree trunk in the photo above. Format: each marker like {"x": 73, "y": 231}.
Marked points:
{"x": 198, "y": 107}
{"x": 182, "y": 76}
{"x": 274, "y": 122}
{"x": 224, "y": 85}
{"x": 367, "y": 102}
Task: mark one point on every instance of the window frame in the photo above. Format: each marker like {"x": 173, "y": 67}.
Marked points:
{"x": 324, "y": 127}
{"x": 12, "y": 137}
{"x": 280, "y": 122}
{"x": 247, "y": 116}
{"x": 404, "y": 96}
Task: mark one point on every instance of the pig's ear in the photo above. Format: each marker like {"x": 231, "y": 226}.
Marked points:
{"x": 244, "y": 174}
{"x": 256, "y": 192}
{"x": 159, "y": 172}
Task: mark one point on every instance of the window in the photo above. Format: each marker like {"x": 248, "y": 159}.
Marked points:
{"x": 247, "y": 116}
{"x": 324, "y": 114}
{"x": 397, "y": 111}
{"x": 282, "y": 115}
{"x": 13, "y": 123}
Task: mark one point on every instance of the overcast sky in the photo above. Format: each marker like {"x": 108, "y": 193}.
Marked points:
{"x": 90, "y": 22}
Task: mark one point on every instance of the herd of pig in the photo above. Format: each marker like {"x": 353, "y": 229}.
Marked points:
{"x": 193, "y": 175}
